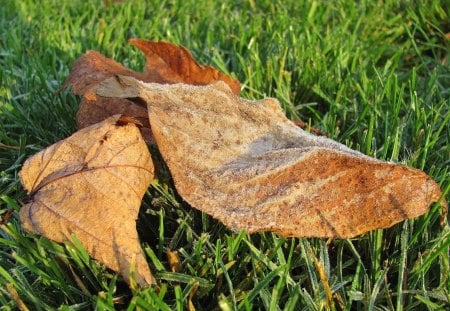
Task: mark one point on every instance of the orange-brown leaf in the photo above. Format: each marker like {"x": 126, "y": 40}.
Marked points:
{"x": 92, "y": 68}
{"x": 91, "y": 184}
{"x": 170, "y": 63}
{"x": 94, "y": 109}
{"x": 166, "y": 63}
{"x": 246, "y": 164}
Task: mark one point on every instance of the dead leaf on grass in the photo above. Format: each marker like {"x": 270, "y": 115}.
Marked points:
{"x": 170, "y": 63}
{"x": 166, "y": 63}
{"x": 91, "y": 184}
{"x": 246, "y": 164}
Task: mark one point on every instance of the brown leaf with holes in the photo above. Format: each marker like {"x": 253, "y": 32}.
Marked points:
{"x": 91, "y": 185}
{"x": 246, "y": 164}
{"x": 166, "y": 63}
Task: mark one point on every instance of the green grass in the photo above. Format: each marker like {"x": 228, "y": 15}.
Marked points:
{"x": 374, "y": 75}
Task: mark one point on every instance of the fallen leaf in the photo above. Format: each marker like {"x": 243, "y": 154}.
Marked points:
{"x": 94, "y": 109}
{"x": 91, "y": 184}
{"x": 92, "y": 68}
{"x": 166, "y": 63}
{"x": 89, "y": 70}
{"x": 170, "y": 63}
{"x": 246, "y": 164}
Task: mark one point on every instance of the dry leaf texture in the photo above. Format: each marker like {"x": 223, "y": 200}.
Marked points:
{"x": 89, "y": 70}
{"x": 170, "y": 63}
{"x": 166, "y": 63}
{"x": 246, "y": 164}
{"x": 91, "y": 184}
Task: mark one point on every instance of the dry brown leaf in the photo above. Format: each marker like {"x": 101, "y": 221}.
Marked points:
{"x": 166, "y": 63}
{"x": 89, "y": 70}
{"x": 246, "y": 164}
{"x": 91, "y": 184}
{"x": 94, "y": 109}
{"x": 170, "y": 63}
{"x": 92, "y": 68}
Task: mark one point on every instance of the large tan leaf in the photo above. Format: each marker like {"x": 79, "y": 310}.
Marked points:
{"x": 246, "y": 164}
{"x": 166, "y": 63}
{"x": 91, "y": 184}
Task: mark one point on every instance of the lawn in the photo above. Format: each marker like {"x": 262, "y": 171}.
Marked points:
{"x": 373, "y": 75}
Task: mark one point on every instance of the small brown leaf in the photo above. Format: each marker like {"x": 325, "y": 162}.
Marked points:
{"x": 92, "y": 68}
{"x": 246, "y": 164}
{"x": 91, "y": 184}
{"x": 166, "y": 63}
{"x": 170, "y": 63}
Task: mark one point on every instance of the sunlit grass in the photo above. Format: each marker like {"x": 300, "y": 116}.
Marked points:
{"x": 374, "y": 75}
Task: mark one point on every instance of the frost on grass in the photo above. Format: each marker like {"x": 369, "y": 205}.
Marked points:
{"x": 241, "y": 161}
